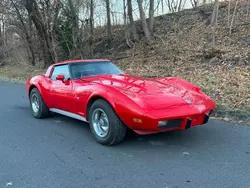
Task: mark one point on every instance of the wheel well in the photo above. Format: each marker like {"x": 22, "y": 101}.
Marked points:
{"x": 31, "y": 87}
{"x": 91, "y": 101}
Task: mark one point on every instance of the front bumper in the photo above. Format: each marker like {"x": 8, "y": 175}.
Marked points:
{"x": 174, "y": 123}
{"x": 185, "y": 123}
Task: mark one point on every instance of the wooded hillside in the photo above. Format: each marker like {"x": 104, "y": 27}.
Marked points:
{"x": 207, "y": 44}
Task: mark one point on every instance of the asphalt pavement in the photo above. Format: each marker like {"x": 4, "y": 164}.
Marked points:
{"x": 60, "y": 152}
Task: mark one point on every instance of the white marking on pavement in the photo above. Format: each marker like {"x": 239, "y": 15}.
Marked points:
{"x": 185, "y": 153}
{"x": 8, "y": 184}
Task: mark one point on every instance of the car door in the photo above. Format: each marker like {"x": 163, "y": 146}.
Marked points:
{"x": 61, "y": 91}
{"x": 80, "y": 87}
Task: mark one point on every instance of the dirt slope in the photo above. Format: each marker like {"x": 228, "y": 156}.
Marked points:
{"x": 183, "y": 47}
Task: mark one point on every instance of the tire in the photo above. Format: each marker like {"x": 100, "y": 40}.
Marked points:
{"x": 43, "y": 110}
{"x": 116, "y": 129}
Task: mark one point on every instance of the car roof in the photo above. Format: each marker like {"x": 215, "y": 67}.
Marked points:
{"x": 81, "y": 61}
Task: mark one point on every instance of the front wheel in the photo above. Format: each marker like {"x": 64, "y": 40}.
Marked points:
{"x": 106, "y": 126}
{"x": 38, "y": 107}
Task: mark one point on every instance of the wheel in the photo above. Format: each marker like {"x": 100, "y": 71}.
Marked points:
{"x": 105, "y": 125}
{"x": 38, "y": 107}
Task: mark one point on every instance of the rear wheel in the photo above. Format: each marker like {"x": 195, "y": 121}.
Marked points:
{"x": 38, "y": 107}
{"x": 106, "y": 126}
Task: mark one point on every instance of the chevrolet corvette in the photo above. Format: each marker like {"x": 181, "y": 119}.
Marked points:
{"x": 97, "y": 92}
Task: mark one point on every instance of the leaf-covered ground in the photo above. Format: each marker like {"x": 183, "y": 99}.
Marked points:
{"x": 182, "y": 47}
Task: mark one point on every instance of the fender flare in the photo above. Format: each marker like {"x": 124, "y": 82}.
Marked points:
{"x": 93, "y": 98}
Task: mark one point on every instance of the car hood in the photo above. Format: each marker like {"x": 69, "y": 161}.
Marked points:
{"x": 159, "y": 94}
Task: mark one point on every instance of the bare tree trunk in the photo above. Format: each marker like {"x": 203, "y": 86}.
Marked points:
{"x": 131, "y": 20}
{"x": 127, "y": 34}
{"x": 91, "y": 28}
{"x": 1, "y": 34}
{"x": 248, "y": 4}
{"x": 162, "y": 6}
{"x": 46, "y": 46}
{"x": 3, "y": 31}
{"x": 217, "y": 12}
{"x": 232, "y": 21}
{"x": 143, "y": 20}
{"x": 54, "y": 18}
{"x": 214, "y": 19}
{"x": 76, "y": 33}
{"x": 26, "y": 33}
{"x": 151, "y": 16}
{"x": 194, "y": 3}
{"x": 108, "y": 22}
{"x": 228, "y": 13}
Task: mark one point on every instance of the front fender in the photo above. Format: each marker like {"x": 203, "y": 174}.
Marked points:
{"x": 125, "y": 108}
{"x": 40, "y": 83}
{"x": 31, "y": 83}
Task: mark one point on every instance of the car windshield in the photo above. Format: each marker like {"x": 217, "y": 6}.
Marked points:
{"x": 81, "y": 70}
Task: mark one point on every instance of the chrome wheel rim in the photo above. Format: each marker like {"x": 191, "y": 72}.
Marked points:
{"x": 35, "y": 103}
{"x": 100, "y": 122}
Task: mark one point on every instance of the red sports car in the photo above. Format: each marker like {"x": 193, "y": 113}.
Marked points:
{"x": 98, "y": 92}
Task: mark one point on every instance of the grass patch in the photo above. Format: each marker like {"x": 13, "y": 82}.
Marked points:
{"x": 19, "y": 71}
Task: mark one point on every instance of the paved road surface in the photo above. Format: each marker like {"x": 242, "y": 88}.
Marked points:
{"x": 60, "y": 152}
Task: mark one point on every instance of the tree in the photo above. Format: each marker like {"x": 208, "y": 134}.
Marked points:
{"x": 72, "y": 13}
{"x": 42, "y": 27}
{"x": 2, "y": 10}
{"x": 25, "y": 31}
{"x": 108, "y": 22}
{"x": 131, "y": 20}
{"x": 143, "y": 21}
{"x": 214, "y": 19}
{"x": 151, "y": 16}
{"x": 91, "y": 27}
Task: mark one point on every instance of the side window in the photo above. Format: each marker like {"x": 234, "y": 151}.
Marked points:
{"x": 60, "y": 69}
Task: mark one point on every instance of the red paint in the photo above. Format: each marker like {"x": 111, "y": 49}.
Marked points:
{"x": 150, "y": 100}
